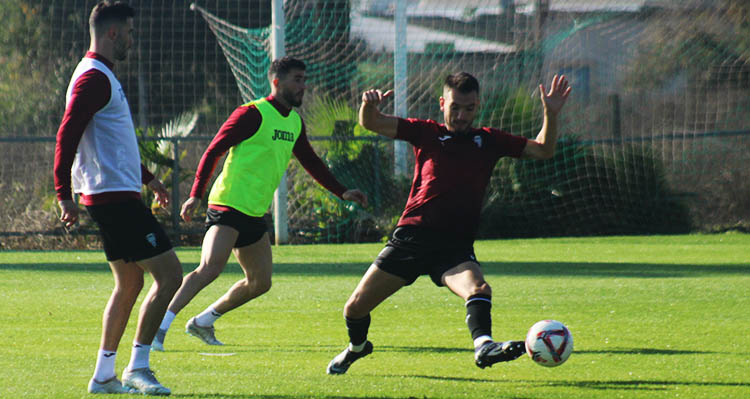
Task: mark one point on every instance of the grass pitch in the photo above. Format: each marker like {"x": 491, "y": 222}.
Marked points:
{"x": 652, "y": 317}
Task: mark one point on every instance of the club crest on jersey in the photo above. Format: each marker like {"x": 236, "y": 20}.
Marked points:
{"x": 151, "y": 238}
{"x": 282, "y": 135}
{"x": 444, "y": 138}
{"x": 478, "y": 141}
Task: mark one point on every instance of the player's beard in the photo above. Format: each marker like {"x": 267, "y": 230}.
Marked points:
{"x": 461, "y": 126}
{"x": 295, "y": 100}
{"x": 120, "y": 50}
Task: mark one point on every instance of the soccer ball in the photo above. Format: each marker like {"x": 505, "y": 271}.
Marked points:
{"x": 549, "y": 343}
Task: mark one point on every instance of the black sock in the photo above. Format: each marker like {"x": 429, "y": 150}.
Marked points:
{"x": 357, "y": 329}
{"x": 478, "y": 316}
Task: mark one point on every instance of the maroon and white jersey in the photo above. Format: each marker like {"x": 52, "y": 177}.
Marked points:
{"x": 108, "y": 157}
{"x": 451, "y": 174}
{"x": 97, "y": 149}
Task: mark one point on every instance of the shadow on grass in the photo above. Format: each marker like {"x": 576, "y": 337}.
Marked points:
{"x": 557, "y": 269}
{"x": 233, "y": 349}
{"x": 229, "y": 348}
{"x": 422, "y": 349}
{"x": 261, "y": 396}
{"x": 648, "y": 351}
{"x": 648, "y": 385}
{"x": 641, "y": 385}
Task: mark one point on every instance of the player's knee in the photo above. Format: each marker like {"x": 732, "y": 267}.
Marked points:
{"x": 130, "y": 289}
{"x": 481, "y": 288}
{"x": 172, "y": 283}
{"x": 261, "y": 285}
{"x": 209, "y": 271}
{"x": 354, "y": 309}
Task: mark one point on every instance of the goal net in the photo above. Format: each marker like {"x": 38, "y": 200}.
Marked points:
{"x": 653, "y": 138}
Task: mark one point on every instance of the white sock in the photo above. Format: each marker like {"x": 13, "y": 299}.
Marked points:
{"x": 139, "y": 357}
{"x": 481, "y": 340}
{"x": 207, "y": 317}
{"x": 357, "y": 348}
{"x": 166, "y": 322}
{"x": 105, "y": 365}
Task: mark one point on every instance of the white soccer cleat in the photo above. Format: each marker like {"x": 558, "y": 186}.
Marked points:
{"x": 112, "y": 385}
{"x": 158, "y": 343}
{"x": 205, "y": 334}
{"x": 143, "y": 381}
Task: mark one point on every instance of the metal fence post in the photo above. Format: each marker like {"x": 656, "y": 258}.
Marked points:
{"x": 280, "y": 217}
{"x": 175, "y": 183}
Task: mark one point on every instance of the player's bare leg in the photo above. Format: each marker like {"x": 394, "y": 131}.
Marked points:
{"x": 217, "y": 246}
{"x": 257, "y": 264}
{"x": 166, "y": 271}
{"x": 128, "y": 284}
{"x": 375, "y": 286}
{"x": 467, "y": 281}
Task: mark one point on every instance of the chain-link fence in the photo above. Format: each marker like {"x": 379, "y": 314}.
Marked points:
{"x": 653, "y": 140}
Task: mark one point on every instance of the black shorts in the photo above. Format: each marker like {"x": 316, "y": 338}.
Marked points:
{"x": 129, "y": 231}
{"x": 251, "y": 228}
{"x": 412, "y": 252}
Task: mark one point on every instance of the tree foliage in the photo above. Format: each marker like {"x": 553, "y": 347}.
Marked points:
{"x": 718, "y": 41}
{"x": 31, "y": 83}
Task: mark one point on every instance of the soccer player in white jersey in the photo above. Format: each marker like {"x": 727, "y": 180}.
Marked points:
{"x": 96, "y": 141}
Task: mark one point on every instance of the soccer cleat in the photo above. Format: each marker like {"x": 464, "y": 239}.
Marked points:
{"x": 493, "y": 352}
{"x": 112, "y": 385}
{"x": 205, "y": 334}
{"x": 158, "y": 342}
{"x": 143, "y": 381}
{"x": 340, "y": 364}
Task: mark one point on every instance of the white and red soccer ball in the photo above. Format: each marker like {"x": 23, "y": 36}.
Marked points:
{"x": 549, "y": 343}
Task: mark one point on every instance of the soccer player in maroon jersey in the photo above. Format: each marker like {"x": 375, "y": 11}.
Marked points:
{"x": 436, "y": 232}
{"x": 97, "y": 156}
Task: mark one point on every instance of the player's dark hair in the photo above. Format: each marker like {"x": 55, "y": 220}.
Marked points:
{"x": 464, "y": 82}
{"x": 106, "y": 12}
{"x": 281, "y": 67}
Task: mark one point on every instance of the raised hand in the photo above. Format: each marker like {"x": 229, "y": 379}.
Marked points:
{"x": 554, "y": 100}
{"x": 375, "y": 97}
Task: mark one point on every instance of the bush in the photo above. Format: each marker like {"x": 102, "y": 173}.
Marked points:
{"x": 358, "y": 159}
{"x": 583, "y": 190}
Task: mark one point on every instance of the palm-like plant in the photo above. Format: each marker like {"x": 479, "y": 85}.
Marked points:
{"x": 157, "y": 147}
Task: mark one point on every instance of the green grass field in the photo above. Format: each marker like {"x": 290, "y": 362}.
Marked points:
{"x": 652, "y": 317}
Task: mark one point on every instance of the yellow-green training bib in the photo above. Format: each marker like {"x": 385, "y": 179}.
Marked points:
{"x": 254, "y": 167}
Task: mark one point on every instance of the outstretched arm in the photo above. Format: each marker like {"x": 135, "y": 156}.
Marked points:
{"x": 543, "y": 147}
{"x": 315, "y": 166}
{"x": 372, "y": 119}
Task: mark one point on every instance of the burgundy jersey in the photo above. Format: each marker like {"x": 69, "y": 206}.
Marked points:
{"x": 451, "y": 174}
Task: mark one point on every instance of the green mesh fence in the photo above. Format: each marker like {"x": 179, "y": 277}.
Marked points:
{"x": 653, "y": 138}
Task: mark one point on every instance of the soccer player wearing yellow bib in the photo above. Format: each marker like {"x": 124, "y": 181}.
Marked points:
{"x": 261, "y": 137}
